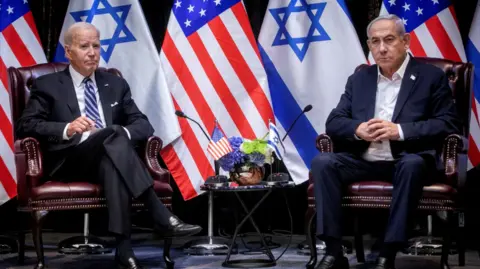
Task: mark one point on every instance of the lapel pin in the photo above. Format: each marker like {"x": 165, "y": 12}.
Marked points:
{"x": 412, "y": 77}
{"x": 106, "y": 85}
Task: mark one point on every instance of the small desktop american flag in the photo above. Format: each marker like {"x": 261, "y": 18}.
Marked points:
{"x": 218, "y": 145}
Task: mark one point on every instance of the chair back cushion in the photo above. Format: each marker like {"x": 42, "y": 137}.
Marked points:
{"x": 460, "y": 78}
{"x": 20, "y": 81}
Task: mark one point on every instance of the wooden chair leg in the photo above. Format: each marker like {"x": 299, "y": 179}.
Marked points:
{"x": 166, "y": 253}
{"x": 461, "y": 239}
{"x": 446, "y": 241}
{"x": 358, "y": 240}
{"x": 311, "y": 238}
{"x": 38, "y": 218}
{"x": 21, "y": 247}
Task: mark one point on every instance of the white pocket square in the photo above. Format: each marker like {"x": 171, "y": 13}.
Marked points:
{"x": 114, "y": 104}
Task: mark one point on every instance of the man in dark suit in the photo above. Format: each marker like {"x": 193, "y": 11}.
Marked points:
{"x": 387, "y": 125}
{"x": 88, "y": 124}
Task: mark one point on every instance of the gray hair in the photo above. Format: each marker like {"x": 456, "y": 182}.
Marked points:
{"x": 68, "y": 38}
{"x": 391, "y": 17}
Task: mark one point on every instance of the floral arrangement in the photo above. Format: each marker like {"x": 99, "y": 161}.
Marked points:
{"x": 246, "y": 153}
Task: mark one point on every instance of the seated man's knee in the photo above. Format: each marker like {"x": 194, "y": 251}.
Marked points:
{"x": 118, "y": 130}
{"x": 324, "y": 160}
{"x": 413, "y": 161}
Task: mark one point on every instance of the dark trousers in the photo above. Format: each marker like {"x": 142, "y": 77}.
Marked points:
{"x": 332, "y": 172}
{"x": 107, "y": 157}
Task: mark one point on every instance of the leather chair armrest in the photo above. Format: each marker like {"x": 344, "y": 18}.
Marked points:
{"x": 150, "y": 154}
{"x": 28, "y": 161}
{"x": 324, "y": 143}
{"x": 454, "y": 156}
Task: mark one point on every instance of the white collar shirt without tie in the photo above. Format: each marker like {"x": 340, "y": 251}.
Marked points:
{"x": 385, "y": 101}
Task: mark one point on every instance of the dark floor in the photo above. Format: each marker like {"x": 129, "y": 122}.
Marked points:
{"x": 149, "y": 252}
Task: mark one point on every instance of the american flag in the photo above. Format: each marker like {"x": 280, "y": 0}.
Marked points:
{"x": 19, "y": 46}
{"x": 434, "y": 32}
{"x": 213, "y": 70}
{"x": 219, "y": 145}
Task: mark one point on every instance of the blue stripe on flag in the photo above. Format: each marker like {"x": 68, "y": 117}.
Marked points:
{"x": 60, "y": 54}
{"x": 274, "y": 128}
{"x": 473, "y": 55}
{"x": 345, "y": 8}
{"x": 286, "y": 109}
{"x": 277, "y": 152}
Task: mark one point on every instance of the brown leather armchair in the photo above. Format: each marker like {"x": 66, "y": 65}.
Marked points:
{"x": 38, "y": 196}
{"x": 445, "y": 195}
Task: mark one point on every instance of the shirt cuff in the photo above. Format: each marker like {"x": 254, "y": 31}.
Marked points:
{"x": 356, "y": 137}
{"x": 400, "y": 132}
{"x": 128, "y": 133}
{"x": 65, "y": 136}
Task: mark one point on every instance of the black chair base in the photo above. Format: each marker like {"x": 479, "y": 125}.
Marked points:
{"x": 79, "y": 245}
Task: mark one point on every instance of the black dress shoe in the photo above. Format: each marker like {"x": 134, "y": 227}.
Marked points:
{"x": 331, "y": 262}
{"x": 127, "y": 263}
{"x": 178, "y": 228}
{"x": 384, "y": 263}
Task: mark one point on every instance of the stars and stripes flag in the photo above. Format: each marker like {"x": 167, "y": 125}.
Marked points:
{"x": 19, "y": 46}
{"x": 473, "y": 55}
{"x": 432, "y": 25}
{"x": 434, "y": 32}
{"x": 213, "y": 71}
{"x": 218, "y": 145}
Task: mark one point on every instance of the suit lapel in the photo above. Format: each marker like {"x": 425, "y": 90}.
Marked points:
{"x": 104, "y": 92}
{"x": 72, "y": 101}
{"x": 408, "y": 84}
{"x": 371, "y": 93}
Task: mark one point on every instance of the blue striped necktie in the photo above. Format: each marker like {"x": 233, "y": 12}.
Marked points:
{"x": 91, "y": 107}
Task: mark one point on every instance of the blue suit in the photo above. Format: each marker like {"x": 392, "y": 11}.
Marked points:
{"x": 426, "y": 112}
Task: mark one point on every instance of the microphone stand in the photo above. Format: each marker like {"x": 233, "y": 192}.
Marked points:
{"x": 207, "y": 245}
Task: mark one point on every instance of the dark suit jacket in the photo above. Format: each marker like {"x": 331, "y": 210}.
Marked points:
{"x": 53, "y": 103}
{"x": 425, "y": 110}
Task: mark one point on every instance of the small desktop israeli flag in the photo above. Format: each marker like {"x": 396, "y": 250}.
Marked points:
{"x": 275, "y": 142}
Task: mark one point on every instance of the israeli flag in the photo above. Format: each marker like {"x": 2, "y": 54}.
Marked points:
{"x": 309, "y": 48}
{"x": 126, "y": 44}
{"x": 275, "y": 142}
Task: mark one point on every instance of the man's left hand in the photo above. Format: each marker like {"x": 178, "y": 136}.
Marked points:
{"x": 382, "y": 130}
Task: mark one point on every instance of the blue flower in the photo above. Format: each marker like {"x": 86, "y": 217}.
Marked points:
{"x": 235, "y": 157}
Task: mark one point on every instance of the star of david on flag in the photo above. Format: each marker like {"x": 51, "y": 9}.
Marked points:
{"x": 299, "y": 10}
{"x": 119, "y": 14}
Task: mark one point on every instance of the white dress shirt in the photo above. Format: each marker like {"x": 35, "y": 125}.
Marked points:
{"x": 79, "y": 85}
{"x": 385, "y": 101}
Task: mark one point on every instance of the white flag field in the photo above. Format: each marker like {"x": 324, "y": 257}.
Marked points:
{"x": 309, "y": 48}
{"x": 127, "y": 45}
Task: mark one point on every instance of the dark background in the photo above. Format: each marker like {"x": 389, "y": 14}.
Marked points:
{"x": 49, "y": 16}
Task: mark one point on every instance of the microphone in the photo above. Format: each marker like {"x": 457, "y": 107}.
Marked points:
{"x": 306, "y": 109}
{"x": 182, "y": 115}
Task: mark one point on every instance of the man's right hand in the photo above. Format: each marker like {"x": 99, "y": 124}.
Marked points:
{"x": 362, "y": 132}
{"x": 80, "y": 125}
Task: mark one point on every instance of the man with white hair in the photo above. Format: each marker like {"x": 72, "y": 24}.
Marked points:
{"x": 387, "y": 126}
{"x": 88, "y": 124}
